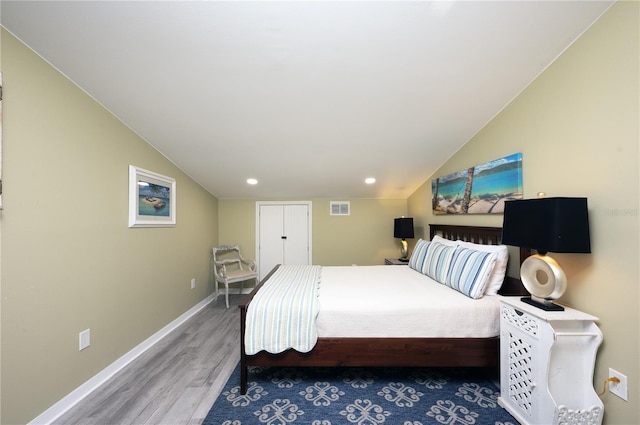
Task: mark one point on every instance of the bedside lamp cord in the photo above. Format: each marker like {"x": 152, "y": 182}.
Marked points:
{"x": 606, "y": 381}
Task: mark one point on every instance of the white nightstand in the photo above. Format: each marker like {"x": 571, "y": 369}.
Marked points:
{"x": 546, "y": 364}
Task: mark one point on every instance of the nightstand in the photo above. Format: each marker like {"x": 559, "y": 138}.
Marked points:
{"x": 394, "y": 262}
{"x": 546, "y": 364}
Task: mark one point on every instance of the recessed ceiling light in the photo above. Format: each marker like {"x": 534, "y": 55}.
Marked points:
{"x": 370, "y": 180}
{"x": 252, "y": 181}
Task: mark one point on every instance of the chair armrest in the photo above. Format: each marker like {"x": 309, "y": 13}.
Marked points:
{"x": 251, "y": 265}
{"x": 220, "y": 270}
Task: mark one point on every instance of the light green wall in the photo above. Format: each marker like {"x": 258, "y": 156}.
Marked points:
{"x": 69, "y": 261}
{"x": 577, "y": 127}
{"x": 365, "y": 237}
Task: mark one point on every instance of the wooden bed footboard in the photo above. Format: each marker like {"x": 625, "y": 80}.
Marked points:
{"x": 390, "y": 352}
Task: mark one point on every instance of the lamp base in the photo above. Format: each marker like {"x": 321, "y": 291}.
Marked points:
{"x": 404, "y": 260}
{"x": 544, "y": 305}
{"x": 404, "y": 250}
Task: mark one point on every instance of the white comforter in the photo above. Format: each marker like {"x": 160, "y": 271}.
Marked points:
{"x": 397, "y": 301}
{"x": 365, "y": 301}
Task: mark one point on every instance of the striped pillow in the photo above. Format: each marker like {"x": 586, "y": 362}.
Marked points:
{"x": 436, "y": 264}
{"x": 418, "y": 255}
{"x": 470, "y": 270}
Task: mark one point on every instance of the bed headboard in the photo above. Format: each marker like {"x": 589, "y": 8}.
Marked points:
{"x": 479, "y": 235}
{"x": 483, "y": 236}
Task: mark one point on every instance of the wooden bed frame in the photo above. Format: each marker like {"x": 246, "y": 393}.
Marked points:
{"x": 392, "y": 352}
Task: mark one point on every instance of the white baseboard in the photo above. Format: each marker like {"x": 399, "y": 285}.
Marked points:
{"x": 73, "y": 398}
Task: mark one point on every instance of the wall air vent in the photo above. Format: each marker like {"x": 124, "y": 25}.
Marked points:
{"x": 340, "y": 208}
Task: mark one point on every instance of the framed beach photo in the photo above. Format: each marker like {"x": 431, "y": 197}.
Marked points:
{"x": 152, "y": 199}
{"x": 482, "y": 189}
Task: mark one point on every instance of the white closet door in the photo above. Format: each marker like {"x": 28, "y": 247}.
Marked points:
{"x": 296, "y": 231}
{"x": 283, "y": 235}
{"x": 270, "y": 231}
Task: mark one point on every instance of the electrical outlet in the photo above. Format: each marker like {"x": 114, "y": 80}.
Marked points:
{"x": 619, "y": 388}
{"x": 193, "y": 283}
{"x": 85, "y": 339}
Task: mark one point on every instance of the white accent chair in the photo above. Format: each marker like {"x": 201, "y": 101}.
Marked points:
{"x": 230, "y": 267}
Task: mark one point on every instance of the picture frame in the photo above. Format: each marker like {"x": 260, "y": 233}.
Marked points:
{"x": 152, "y": 199}
{"x": 482, "y": 189}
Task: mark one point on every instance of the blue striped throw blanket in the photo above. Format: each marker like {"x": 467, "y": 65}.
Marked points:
{"x": 283, "y": 313}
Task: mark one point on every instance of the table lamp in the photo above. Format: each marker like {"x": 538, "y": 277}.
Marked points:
{"x": 403, "y": 229}
{"x": 547, "y": 225}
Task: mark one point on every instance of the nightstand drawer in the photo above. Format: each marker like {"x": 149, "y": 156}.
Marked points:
{"x": 523, "y": 322}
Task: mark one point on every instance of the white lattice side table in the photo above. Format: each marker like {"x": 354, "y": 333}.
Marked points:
{"x": 546, "y": 365}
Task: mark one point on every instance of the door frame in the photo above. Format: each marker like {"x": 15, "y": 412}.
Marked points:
{"x": 309, "y": 205}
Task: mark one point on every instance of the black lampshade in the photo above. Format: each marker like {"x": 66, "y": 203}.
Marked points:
{"x": 403, "y": 228}
{"x": 547, "y": 224}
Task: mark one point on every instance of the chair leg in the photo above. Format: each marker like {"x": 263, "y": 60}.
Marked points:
{"x": 226, "y": 295}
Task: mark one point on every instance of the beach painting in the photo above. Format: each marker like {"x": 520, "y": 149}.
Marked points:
{"x": 481, "y": 189}
{"x": 152, "y": 199}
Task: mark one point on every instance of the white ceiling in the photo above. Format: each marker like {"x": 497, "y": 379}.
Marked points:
{"x": 309, "y": 97}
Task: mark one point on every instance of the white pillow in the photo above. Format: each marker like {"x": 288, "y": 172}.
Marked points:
{"x": 499, "y": 270}
{"x": 443, "y": 241}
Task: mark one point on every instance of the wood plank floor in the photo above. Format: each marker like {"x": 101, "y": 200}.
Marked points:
{"x": 176, "y": 381}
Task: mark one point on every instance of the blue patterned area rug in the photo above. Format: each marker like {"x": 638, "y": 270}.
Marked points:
{"x": 363, "y": 396}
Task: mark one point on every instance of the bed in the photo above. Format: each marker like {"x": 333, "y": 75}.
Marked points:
{"x": 336, "y": 345}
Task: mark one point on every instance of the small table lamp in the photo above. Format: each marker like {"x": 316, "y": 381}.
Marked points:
{"x": 546, "y": 225}
{"x": 403, "y": 229}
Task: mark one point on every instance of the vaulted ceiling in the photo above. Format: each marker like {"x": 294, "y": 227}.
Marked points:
{"x": 308, "y": 97}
